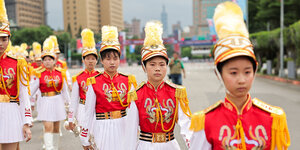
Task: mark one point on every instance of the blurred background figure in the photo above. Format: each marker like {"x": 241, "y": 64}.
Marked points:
{"x": 176, "y": 66}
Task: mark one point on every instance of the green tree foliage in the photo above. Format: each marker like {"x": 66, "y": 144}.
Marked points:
{"x": 264, "y": 13}
{"x": 30, "y": 35}
{"x": 63, "y": 40}
{"x": 186, "y": 52}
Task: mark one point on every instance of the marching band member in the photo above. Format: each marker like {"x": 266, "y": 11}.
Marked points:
{"x": 51, "y": 81}
{"x": 106, "y": 98}
{"x": 15, "y": 112}
{"x": 79, "y": 88}
{"x": 158, "y": 104}
{"x": 240, "y": 121}
{"x": 37, "y": 50}
{"x": 60, "y": 63}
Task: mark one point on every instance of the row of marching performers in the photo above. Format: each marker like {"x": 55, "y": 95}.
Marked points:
{"x": 111, "y": 112}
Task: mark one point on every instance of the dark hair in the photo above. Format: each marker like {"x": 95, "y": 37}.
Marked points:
{"x": 145, "y": 62}
{"x": 107, "y": 52}
{"x": 221, "y": 64}
{"x": 48, "y": 56}
{"x": 90, "y": 54}
{"x": 175, "y": 52}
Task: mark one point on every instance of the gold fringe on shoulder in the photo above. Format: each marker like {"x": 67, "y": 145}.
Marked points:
{"x": 198, "y": 121}
{"x": 131, "y": 81}
{"x": 23, "y": 73}
{"x": 280, "y": 133}
{"x": 181, "y": 97}
{"x": 131, "y": 96}
{"x": 90, "y": 81}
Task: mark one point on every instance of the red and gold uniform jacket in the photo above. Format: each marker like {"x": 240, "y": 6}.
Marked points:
{"x": 257, "y": 126}
{"x": 110, "y": 90}
{"x": 50, "y": 81}
{"x": 79, "y": 90}
{"x": 14, "y": 85}
{"x": 34, "y": 65}
{"x": 157, "y": 107}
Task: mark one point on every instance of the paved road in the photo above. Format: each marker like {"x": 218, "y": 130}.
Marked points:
{"x": 203, "y": 90}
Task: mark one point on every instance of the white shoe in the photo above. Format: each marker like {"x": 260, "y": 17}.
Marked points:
{"x": 48, "y": 141}
{"x": 56, "y": 140}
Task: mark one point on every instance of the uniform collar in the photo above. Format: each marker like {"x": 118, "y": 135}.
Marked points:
{"x": 151, "y": 86}
{"x": 89, "y": 72}
{"x": 230, "y": 105}
{"x": 3, "y": 55}
{"x": 106, "y": 75}
{"x": 50, "y": 70}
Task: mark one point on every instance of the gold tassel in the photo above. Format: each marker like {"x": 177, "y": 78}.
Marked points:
{"x": 90, "y": 81}
{"x": 131, "y": 96}
{"x": 240, "y": 134}
{"x": 157, "y": 111}
{"x": 131, "y": 80}
{"x": 181, "y": 97}
{"x": 280, "y": 133}
{"x": 198, "y": 121}
{"x": 74, "y": 79}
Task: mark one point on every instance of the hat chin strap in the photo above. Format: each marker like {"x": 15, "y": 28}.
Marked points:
{"x": 221, "y": 79}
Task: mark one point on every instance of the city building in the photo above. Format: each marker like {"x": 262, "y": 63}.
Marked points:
{"x": 203, "y": 10}
{"x": 133, "y": 29}
{"x": 164, "y": 21}
{"x": 93, "y": 14}
{"x": 26, "y": 13}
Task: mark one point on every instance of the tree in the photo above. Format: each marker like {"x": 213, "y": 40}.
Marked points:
{"x": 63, "y": 39}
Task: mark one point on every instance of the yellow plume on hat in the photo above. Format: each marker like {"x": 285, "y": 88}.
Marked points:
{"x": 88, "y": 40}
{"x": 24, "y": 46}
{"x": 48, "y": 45}
{"x": 36, "y": 47}
{"x": 153, "y": 31}
{"x": 228, "y": 19}
{"x": 54, "y": 39}
{"x": 110, "y": 34}
{"x": 3, "y": 15}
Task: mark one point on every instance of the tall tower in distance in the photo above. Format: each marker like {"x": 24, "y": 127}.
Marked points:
{"x": 164, "y": 21}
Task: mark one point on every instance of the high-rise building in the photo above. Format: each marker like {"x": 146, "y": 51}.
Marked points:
{"x": 203, "y": 10}
{"x": 93, "y": 14}
{"x": 164, "y": 21}
{"x": 26, "y": 13}
{"x": 136, "y": 27}
{"x": 133, "y": 29}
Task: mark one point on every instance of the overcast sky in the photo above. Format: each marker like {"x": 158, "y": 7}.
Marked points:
{"x": 145, "y": 10}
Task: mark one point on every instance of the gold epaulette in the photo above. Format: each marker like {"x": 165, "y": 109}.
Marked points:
{"x": 140, "y": 85}
{"x": 90, "y": 81}
{"x": 181, "y": 97}
{"x": 198, "y": 118}
{"x": 37, "y": 72}
{"x": 23, "y": 74}
{"x": 280, "y": 133}
{"x": 172, "y": 84}
{"x": 131, "y": 81}
{"x": 74, "y": 78}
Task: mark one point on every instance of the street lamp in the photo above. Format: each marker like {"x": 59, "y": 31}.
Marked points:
{"x": 281, "y": 71}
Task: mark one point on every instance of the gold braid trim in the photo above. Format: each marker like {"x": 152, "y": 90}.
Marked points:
{"x": 181, "y": 97}
{"x": 90, "y": 81}
{"x": 131, "y": 96}
{"x": 198, "y": 121}
{"x": 24, "y": 72}
{"x": 131, "y": 80}
{"x": 280, "y": 133}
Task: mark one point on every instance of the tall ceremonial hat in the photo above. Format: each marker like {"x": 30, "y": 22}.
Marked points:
{"x": 232, "y": 32}
{"x": 56, "y": 46}
{"x": 4, "y": 24}
{"x": 153, "y": 43}
{"x": 88, "y": 43}
{"x": 31, "y": 55}
{"x": 23, "y": 50}
{"x": 48, "y": 48}
{"x": 110, "y": 39}
{"x": 37, "y": 50}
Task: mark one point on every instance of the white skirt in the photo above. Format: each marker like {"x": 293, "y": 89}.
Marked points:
{"x": 11, "y": 124}
{"x": 171, "y": 145}
{"x": 51, "y": 108}
{"x": 80, "y": 113}
{"x": 109, "y": 134}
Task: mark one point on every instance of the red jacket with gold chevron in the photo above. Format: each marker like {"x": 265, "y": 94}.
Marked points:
{"x": 8, "y": 66}
{"x": 150, "y": 100}
{"x": 255, "y": 127}
{"x": 50, "y": 80}
{"x": 107, "y": 89}
{"x": 81, "y": 80}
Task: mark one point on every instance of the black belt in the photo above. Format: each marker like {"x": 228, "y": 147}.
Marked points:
{"x": 156, "y": 137}
{"x": 111, "y": 115}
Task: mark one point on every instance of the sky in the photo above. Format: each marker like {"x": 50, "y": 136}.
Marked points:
{"x": 145, "y": 10}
